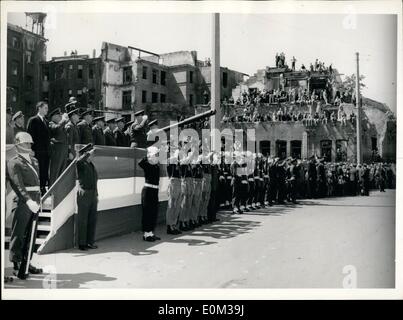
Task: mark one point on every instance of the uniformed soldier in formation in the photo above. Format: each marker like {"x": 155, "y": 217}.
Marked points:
{"x": 58, "y": 144}
{"x": 206, "y": 188}
{"x": 312, "y": 178}
{"x": 38, "y": 128}
{"x": 149, "y": 194}
{"x": 126, "y": 131}
{"x": 185, "y": 157}
{"x": 108, "y": 132}
{"x": 23, "y": 174}
{"x": 19, "y": 122}
{"x": 84, "y": 127}
{"x": 87, "y": 198}
{"x": 118, "y": 132}
{"x": 281, "y": 182}
{"x": 73, "y": 134}
{"x": 152, "y": 127}
{"x": 197, "y": 172}
{"x": 138, "y": 130}
{"x": 98, "y": 136}
{"x": 173, "y": 191}
{"x": 292, "y": 180}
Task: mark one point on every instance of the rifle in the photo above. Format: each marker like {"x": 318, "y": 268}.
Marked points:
{"x": 195, "y": 118}
{"x": 23, "y": 271}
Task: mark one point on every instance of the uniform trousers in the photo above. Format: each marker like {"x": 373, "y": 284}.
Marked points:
{"x": 87, "y": 206}
{"x": 205, "y": 195}
{"x": 174, "y": 199}
{"x": 149, "y": 203}
{"x": 196, "y": 198}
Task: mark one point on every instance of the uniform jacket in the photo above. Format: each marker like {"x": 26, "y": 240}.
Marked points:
{"x": 109, "y": 137}
{"x": 120, "y": 138}
{"x": 138, "y": 135}
{"x": 23, "y": 174}
{"x": 87, "y": 175}
{"x": 73, "y": 136}
{"x": 98, "y": 136}
{"x": 85, "y": 132}
{"x": 58, "y": 132}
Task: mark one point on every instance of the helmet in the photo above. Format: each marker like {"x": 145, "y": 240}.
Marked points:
{"x": 23, "y": 137}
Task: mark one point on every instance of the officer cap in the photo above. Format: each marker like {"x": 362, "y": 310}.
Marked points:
{"x": 111, "y": 120}
{"x": 23, "y": 137}
{"x": 54, "y": 112}
{"x": 153, "y": 123}
{"x": 17, "y": 115}
{"x": 139, "y": 113}
{"x": 85, "y": 149}
{"x": 86, "y": 112}
{"x": 119, "y": 119}
{"x": 73, "y": 112}
{"x": 100, "y": 118}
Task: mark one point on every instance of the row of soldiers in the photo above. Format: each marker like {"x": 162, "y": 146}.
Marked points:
{"x": 245, "y": 181}
{"x": 55, "y": 135}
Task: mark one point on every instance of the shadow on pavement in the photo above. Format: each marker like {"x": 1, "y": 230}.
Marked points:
{"x": 55, "y": 281}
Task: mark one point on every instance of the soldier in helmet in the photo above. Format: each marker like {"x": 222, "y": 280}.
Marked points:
{"x": 23, "y": 174}
{"x": 19, "y": 120}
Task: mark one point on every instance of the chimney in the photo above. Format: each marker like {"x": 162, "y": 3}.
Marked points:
{"x": 65, "y": 53}
{"x": 94, "y": 53}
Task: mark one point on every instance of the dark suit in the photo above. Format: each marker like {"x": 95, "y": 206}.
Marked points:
{"x": 39, "y": 130}
{"x": 85, "y": 132}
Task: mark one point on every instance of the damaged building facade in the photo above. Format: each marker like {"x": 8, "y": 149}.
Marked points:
{"x": 333, "y": 140}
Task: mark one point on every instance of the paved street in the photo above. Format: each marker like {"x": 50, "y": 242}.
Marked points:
{"x": 293, "y": 246}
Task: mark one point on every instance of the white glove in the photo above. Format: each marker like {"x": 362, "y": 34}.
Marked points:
{"x": 145, "y": 117}
{"x": 33, "y": 206}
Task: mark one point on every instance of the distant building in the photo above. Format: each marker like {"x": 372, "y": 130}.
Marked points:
{"x": 72, "y": 75}
{"x": 25, "y": 52}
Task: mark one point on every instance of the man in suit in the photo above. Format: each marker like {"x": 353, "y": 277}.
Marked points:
{"x": 73, "y": 135}
{"x": 19, "y": 121}
{"x": 98, "y": 136}
{"x": 118, "y": 132}
{"x": 87, "y": 198}
{"x": 58, "y": 143}
{"x": 108, "y": 132}
{"x": 138, "y": 137}
{"x": 84, "y": 127}
{"x": 38, "y": 128}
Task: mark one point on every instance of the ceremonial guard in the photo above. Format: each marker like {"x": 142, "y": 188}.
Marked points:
{"x": 23, "y": 174}
{"x": 84, "y": 127}
{"x": 173, "y": 191}
{"x": 71, "y": 105}
{"x": 72, "y": 132}
{"x": 292, "y": 180}
{"x": 126, "y": 132}
{"x": 118, "y": 133}
{"x": 58, "y": 144}
{"x": 98, "y": 136}
{"x": 87, "y": 198}
{"x": 149, "y": 194}
{"x": 186, "y": 187}
{"x": 38, "y": 128}
{"x": 138, "y": 137}
{"x": 108, "y": 132}
{"x": 19, "y": 121}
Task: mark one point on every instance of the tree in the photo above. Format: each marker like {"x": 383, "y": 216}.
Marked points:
{"x": 348, "y": 85}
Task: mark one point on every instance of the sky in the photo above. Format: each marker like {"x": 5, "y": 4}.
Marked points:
{"x": 248, "y": 41}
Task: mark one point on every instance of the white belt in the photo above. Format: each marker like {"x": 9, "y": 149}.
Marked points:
{"x": 229, "y": 177}
{"x": 251, "y": 179}
{"x": 35, "y": 188}
{"x": 257, "y": 177}
{"x": 244, "y": 182}
{"x": 151, "y": 185}
{"x": 266, "y": 175}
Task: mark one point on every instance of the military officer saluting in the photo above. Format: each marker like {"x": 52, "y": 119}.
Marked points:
{"x": 84, "y": 127}
{"x": 58, "y": 143}
{"x": 119, "y": 134}
{"x": 138, "y": 136}
{"x": 108, "y": 132}
{"x": 23, "y": 174}
{"x": 87, "y": 198}
{"x": 152, "y": 126}
{"x": 98, "y": 136}
{"x": 72, "y": 132}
